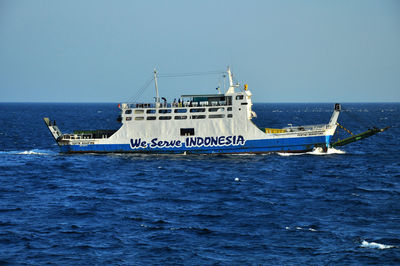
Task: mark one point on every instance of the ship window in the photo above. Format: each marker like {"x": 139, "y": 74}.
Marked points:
{"x": 128, "y": 112}
{"x": 239, "y": 97}
{"x": 197, "y": 110}
{"x": 198, "y": 116}
{"x": 164, "y": 111}
{"x": 180, "y": 117}
{"x": 216, "y": 109}
{"x": 139, "y": 111}
{"x": 244, "y": 103}
{"x": 229, "y": 109}
{"x": 187, "y": 131}
{"x": 128, "y": 118}
{"x": 229, "y": 100}
{"x": 151, "y": 111}
{"x": 216, "y": 116}
{"x": 139, "y": 118}
{"x": 180, "y": 110}
{"x": 229, "y": 115}
{"x": 151, "y": 118}
{"x": 165, "y": 118}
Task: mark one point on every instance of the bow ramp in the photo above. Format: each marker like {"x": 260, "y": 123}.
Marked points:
{"x": 54, "y": 130}
{"x": 358, "y": 137}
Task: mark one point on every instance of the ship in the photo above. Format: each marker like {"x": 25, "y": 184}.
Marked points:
{"x": 219, "y": 123}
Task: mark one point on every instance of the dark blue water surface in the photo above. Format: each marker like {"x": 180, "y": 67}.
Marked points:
{"x": 338, "y": 208}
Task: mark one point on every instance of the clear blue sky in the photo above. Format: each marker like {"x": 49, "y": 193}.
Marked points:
{"x": 287, "y": 51}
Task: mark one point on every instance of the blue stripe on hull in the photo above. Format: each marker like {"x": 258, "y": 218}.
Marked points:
{"x": 299, "y": 144}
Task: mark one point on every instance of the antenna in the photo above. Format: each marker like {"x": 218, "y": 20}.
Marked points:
{"x": 156, "y": 85}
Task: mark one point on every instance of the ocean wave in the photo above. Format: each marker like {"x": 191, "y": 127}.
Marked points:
{"x": 32, "y": 152}
{"x": 197, "y": 230}
{"x": 29, "y": 152}
{"x": 290, "y": 154}
{"x": 319, "y": 151}
{"x": 365, "y": 244}
{"x": 243, "y": 154}
{"x": 316, "y": 151}
{"x": 312, "y": 229}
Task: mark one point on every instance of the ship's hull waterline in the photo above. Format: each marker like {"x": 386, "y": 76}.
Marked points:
{"x": 290, "y": 145}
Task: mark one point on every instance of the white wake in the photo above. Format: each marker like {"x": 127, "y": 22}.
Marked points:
{"x": 315, "y": 151}
{"x": 29, "y": 152}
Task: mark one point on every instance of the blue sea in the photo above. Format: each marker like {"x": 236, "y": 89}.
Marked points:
{"x": 338, "y": 208}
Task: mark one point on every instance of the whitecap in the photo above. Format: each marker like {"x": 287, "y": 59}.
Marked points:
{"x": 30, "y": 152}
{"x": 290, "y": 154}
{"x": 320, "y": 151}
{"x": 365, "y": 244}
{"x": 315, "y": 151}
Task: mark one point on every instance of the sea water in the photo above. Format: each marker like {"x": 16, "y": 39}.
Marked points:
{"x": 339, "y": 207}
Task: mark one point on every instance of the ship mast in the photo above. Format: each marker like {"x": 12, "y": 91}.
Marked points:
{"x": 156, "y": 85}
{"x": 231, "y": 88}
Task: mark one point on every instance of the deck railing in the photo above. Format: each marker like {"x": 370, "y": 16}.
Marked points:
{"x": 307, "y": 128}
{"x": 172, "y": 105}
